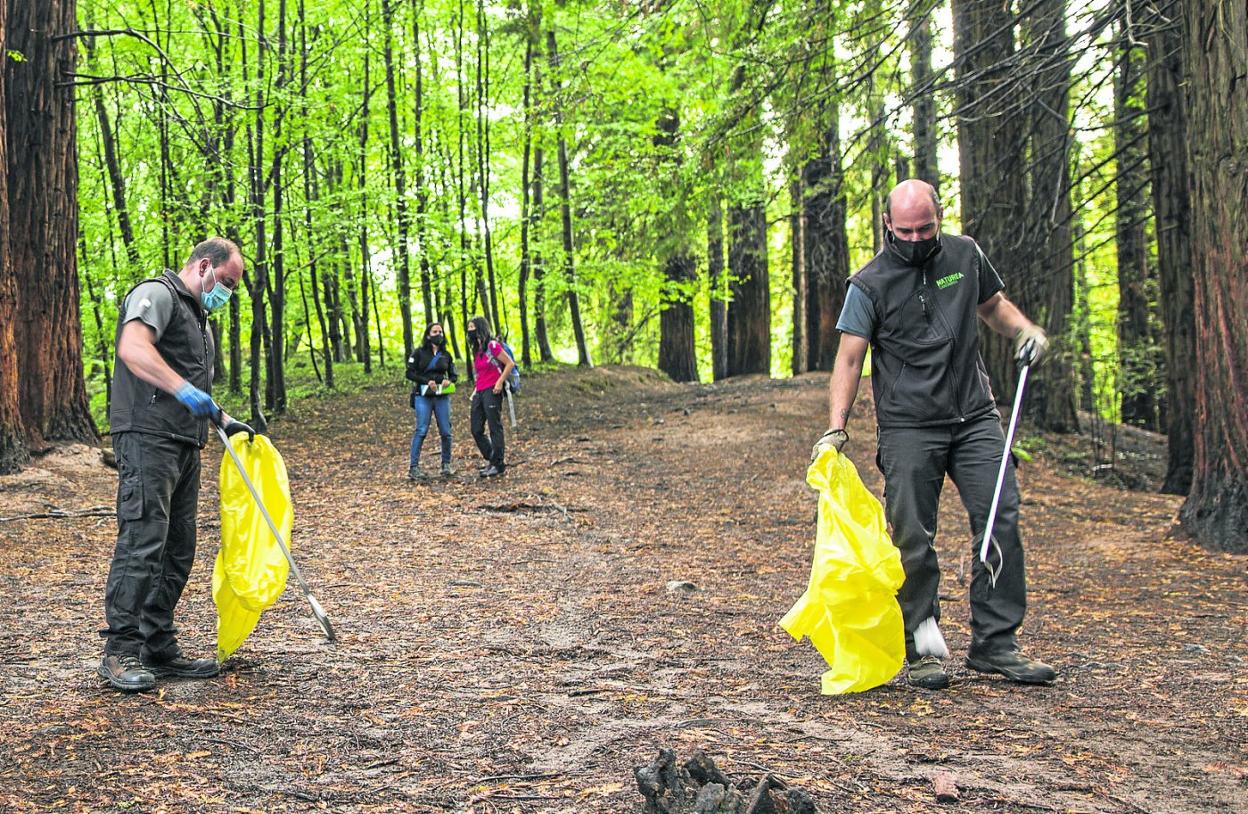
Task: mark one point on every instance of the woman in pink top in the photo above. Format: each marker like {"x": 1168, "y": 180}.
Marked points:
{"x": 491, "y": 365}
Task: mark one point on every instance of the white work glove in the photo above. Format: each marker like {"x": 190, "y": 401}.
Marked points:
{"x": 1030, "y": 345}
{"x": 832, "y": 439}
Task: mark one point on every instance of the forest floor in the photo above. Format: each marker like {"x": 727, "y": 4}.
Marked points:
{"x": 514, "y": 645}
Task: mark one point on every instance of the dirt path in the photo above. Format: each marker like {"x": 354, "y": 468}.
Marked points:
{"x": 513, "y": 646}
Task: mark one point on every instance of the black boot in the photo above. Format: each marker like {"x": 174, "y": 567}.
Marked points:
{"x": 1011, "y": 664}
{"x": 124, "y": 672}
{"x": 178, "y": 666}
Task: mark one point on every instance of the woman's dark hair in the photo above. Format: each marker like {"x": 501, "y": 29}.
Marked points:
{"x": 482, "y": 327}
{"x": 426, "y": 344}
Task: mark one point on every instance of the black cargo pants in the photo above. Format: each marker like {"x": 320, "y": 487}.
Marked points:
{"x": 914, "y": 462}
{"x": 157, "y": 497}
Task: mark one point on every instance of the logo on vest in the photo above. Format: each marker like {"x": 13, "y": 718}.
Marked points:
{"x": 949, "y": 279}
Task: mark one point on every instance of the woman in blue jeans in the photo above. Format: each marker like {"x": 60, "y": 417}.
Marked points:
{"x": 432, "y": 370}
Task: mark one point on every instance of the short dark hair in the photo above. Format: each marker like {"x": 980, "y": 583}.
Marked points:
{"x": 888, "y": 201}
{"x": 218, "y": 250}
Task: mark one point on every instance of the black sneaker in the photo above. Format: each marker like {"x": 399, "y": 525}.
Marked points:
{"x": 181, "y": 667}
{"x": 927, "y": 673}
{"x": 1013, "y": 665}
{"x": 124, "y": 672}
{"x": 491, "y": 471}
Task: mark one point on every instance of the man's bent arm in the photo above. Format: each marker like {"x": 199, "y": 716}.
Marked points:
{"x": 137, "y": 348}
{"x": 846, "y": 375}
{"x": 1002, "y": 316}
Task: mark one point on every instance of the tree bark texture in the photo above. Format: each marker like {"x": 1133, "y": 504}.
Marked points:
{"x": 678, "y": 356}
{"x": 826, "y": 247}
{"x": 718, "y": 291}
{"x": 1167, "y": 150}
{"x": 43, "y": 221}
{"x": 1216, "y": 509}
{"x": 749, "y": 311}
{"x": 797, "y": 262}
{"x": 1138, "y": 363}
{"x": 1051, "y": 392}
{"x": 990, "y": 149}
{"x": 926, "y": 136}
{"x": 13, "y": 452}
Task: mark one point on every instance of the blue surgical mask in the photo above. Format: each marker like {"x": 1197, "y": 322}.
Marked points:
{"x": 218, "y": 296}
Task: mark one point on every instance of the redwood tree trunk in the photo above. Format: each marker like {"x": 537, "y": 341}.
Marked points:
{"x": 827, "y": 247}
{"x": 13, "y": 454}
{"x": 1137, "y": 362}
{"x": 1051, "y": 393}
{"x": 925, "y": 133}
{"x": 1216, "y": 510}
{"x": 990, "y": 149}
{"x": 677, "y": 355}
{"x": 718, "y": 290}
{"x": 1167, "y": 149}
{"x": 43, "y": 221}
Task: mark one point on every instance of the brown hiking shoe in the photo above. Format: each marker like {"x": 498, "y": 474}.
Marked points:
{"x": 124, "y": 672}
{"x": 927, "y": 673}
{"x": 180, "y": 666}
{"x": 1013, "y": 665}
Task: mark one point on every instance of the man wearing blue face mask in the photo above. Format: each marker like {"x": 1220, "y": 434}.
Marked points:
{"x": 159, "y": 418}
{"x": 917, "y": 305}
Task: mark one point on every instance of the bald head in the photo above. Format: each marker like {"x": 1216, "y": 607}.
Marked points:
{"x": 912, "y": 211}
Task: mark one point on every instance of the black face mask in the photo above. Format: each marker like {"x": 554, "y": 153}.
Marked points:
{"x": 472, "y": 339}
{"x": 915, "y": 252}
{"x": 437, "y": 341}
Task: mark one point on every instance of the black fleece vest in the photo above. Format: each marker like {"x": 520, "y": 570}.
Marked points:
{"x": 187, "y": 347}
{"x": 925, "y": 364}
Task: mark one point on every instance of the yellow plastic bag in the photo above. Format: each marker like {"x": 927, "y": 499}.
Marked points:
{"x": 850, "y": 609}
{"x": 250, "y": 571}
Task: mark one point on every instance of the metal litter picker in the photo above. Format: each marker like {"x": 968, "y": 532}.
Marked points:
{"x": 317, "y": 611}
{"x": 988, "y": 540}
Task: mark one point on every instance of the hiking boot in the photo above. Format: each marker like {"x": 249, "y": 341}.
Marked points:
{"x": 1011, "y": 664}
{"x": 447, "y": 471}
{"x": 417, "y": 474}
{"x": 181, "y": 667}
{"x": 125, "y": 672}
{"x": 491, "y": 471}
{"x": 927, "y": 673}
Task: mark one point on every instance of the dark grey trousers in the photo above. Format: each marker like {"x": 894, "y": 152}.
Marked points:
{"x": 157, "y": 497}
{"x": 487, "y": 410}
{"x": 914, "y": 463}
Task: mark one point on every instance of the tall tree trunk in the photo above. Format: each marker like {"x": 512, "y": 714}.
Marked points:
{"x": 990, "y": 150}
{"x": 749, "y": 311}
{"x": 1167, "y": 150}
{"x": 311, "y": 193}
{"x": 401, "y": 247}
{"x": 362, "y": 342}
{"x": 540, "y": 330}
{"x": 277, "y": 297}
{"x": 43, "y": 220}
{"x": 532, "y": 27}
{"x": 718, "y": 290}
{"x": 922, "y": 89}
{"x": 13, "y": 452}
{"x": 565, "y": 209}
{"x": 1216, "y": 510}
{"x": 800, "y": 349}
{"x": 257, "y": 280}
{"x": 483, "y": 159}
{"x": 422, "y": 191}
{"x": 1051, "y": 391}
{"x": 678, "y": 357}
{"x": 1138, "y": 362}
{"x": 826, "y": 245}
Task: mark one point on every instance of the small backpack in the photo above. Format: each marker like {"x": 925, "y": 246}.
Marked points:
{"x": 513, "y": 381}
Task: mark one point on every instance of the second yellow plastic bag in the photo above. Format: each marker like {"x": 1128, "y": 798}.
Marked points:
{"x": 849, "y": 610}
{"x": 250, "y": 571}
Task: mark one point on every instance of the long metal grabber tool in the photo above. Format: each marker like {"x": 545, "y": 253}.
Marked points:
{"x": 996, "y": 495}
{"x": 317, "y": 610}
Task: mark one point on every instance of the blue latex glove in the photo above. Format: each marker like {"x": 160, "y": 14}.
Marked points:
{"x": 197, "y": 401}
